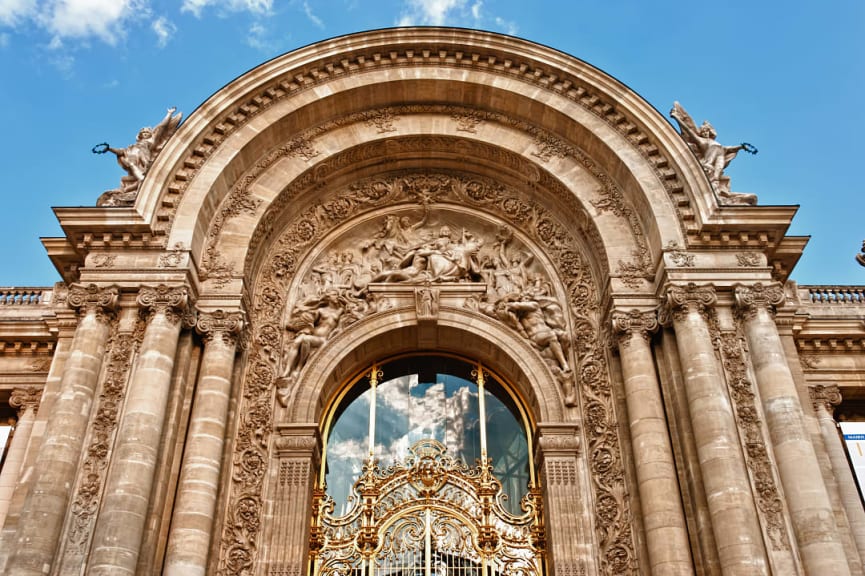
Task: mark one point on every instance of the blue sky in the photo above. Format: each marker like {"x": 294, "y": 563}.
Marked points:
{"x": 788, "y": 77}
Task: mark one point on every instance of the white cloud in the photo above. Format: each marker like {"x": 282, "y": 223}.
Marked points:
{"x": 104, "y": 19}
{"x": 506, "y": 26}
{"x": 312, "y": 17}
{"x": 14, "y": 11}
{"x": 259, "y": 38}
{"x": 430, "y": 12}
{"x": 254, "y": 6}
{"x": 164, "y": 30}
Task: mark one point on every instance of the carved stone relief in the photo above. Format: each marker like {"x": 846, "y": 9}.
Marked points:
{"x": 427, "y": 239}
{"x": 611, "y": 199}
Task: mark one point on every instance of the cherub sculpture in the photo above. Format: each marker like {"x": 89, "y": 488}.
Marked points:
{"x": 714, "y": 157}
{"x": 137, "y": 158}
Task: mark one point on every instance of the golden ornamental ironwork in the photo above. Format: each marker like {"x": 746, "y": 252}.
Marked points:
{"x": 431, "y": 515}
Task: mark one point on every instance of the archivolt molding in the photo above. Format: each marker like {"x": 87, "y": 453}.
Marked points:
{"x": 515, "y": 60}
{"x": 609, "y": 197}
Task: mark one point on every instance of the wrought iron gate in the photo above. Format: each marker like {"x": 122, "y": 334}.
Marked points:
{"x": 428, "y": 516}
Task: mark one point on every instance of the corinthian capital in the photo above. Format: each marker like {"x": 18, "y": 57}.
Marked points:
{"x": 633, "y": 323}
{"x": 220, "y": 324}
{"x": 682, "y": 299}
{"x": 826, "y": 397}
{"x": 749, "y": 299}
{"x": 91, "y": 298}
{"x": 172, "y": 301}
{"x": 25, "y": 398}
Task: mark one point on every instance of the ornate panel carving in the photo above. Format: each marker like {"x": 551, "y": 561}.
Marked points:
{"x": 762, "y": 471}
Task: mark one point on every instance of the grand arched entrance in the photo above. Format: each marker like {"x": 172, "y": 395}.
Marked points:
{"x": 426, "y": 301}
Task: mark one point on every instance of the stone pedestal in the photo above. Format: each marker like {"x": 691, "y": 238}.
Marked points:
{"x": 806, "y": 495}
{"x": 195, "y": 507}
{"x": 728, "y": 489}
{"x": 120, "y": 525}
{"x": 663, "y": 518}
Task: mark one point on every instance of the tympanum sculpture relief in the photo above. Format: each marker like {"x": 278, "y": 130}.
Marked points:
{"x": 714, "y": 157}
{"x": 137, "y": 158}
{"x": 336, "y": 292}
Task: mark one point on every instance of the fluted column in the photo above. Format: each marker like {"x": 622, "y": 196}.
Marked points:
{"x": 663, "y": 517}
{"x": 825, "y": 398}
{"x": 570, "y": 549}
{"x": 120, "y": 525}
{"x": 45, "y": 507}
{"x": 728, "y": 490}
{"x": 26, "y": 400}
{"x": 195, "y": 507}
{"x": 807, "y": 498}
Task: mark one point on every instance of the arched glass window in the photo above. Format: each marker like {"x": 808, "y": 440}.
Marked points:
{"x": 428, "y": 397}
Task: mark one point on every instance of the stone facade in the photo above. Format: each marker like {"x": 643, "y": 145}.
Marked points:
{"x": 428, "y": 190}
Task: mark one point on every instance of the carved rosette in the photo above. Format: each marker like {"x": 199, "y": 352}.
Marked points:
{"x": 24, "y": 399}
{"x": 93, "y": 299}
{"x": 634, "y": 323}
{"x": 220, "y": 324}
{"x": 760, "y": 468}
{"x": 751, "y": 299}
{"x": 171, "y": 301}
{"x": 680, "y": 300}
{"x": 826, "y": 397}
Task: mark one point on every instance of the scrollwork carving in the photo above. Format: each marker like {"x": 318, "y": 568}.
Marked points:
{"x": 226, "y": 326}
{"x": 171, "y": 301}
{"x": 636, "y": 323}
{"x": 749, "y": 299}
{"x": 679, "y": 300}
{"x": 826, "y": 397}
{"x": 94, "y": 299}
{"x": 24, "y": 399}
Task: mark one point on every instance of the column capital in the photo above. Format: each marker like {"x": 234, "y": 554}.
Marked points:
{"x": 825, "y": 396}
{"x": 172, "y": 301}
{"x": 626, "y": 325}
{"x": 88, "y": 298}
{"x": 750, "y": 299}
{"x": 25, "y": 398}
{"x": 298, "y": 440}
{"x": 679, "y": 300}
{"x": 226, "y": 326}
{"x": 557, "y": 438}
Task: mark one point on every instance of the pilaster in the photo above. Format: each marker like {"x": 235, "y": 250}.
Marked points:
{"x": 195, "y": 507}
{"x": 728, "y": 490}
{"x": 807, "y": 499}
{"x": 26, "y": 402}
{"x": 44, "y": 510}
{"x": 119, "y": 528}
{"x": 663, "y": 517}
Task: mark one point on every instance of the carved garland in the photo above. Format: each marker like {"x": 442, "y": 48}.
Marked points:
{"x": 123, "y": 347}
{"x": 244, "y": 515}
{"x": 611, "y": 199}
{"x": 731, "y": 346}
{"x": 298, "y": 80}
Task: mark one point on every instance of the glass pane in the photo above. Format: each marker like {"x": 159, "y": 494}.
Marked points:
{"x": 347, "y": 448}
{"x": 508, "y": 448}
